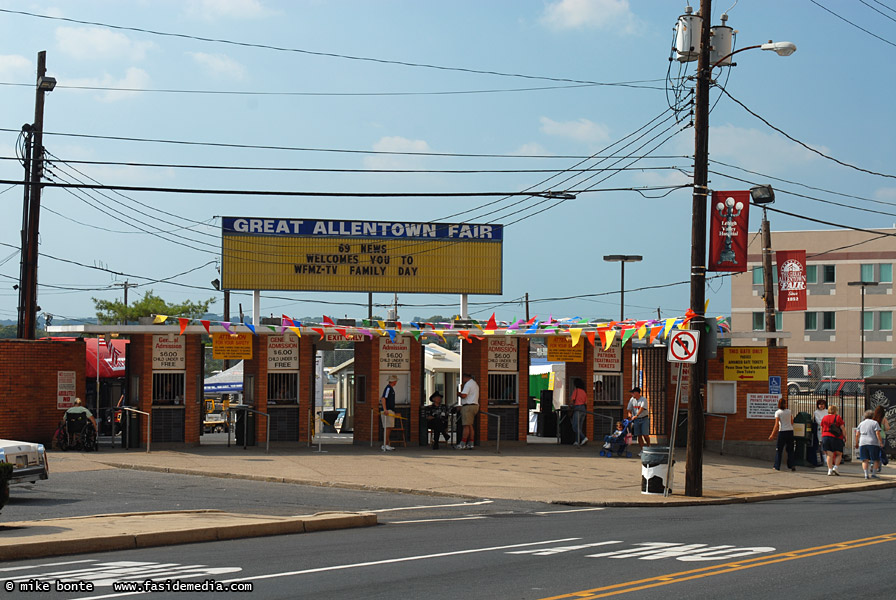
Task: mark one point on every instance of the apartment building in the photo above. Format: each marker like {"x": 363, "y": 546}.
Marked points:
{"x": 832, "y": 329}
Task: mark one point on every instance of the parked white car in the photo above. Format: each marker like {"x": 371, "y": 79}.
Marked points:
{"x": 29, "y": 460}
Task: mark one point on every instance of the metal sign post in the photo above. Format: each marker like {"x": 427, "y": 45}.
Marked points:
{"x": 682, "y": 349}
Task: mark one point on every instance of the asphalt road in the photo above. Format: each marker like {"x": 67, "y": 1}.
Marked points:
{"x": 819, "y": 547}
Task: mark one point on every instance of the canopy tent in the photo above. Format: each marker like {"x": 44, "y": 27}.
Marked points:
{"x": 226, "y": 382}
{"x": 110, "y": 360}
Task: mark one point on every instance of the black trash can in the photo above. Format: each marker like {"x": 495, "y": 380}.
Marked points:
{"x": 547, "y": 424}
{"x": 245, "y": 419}
{"x": 567, "y": 433}
{"x": 329, "y": 421}
{"x": 130, "y": 430}
{"x": 654, "y": 461}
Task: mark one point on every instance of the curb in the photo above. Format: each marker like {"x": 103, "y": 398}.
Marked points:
{"x": 265, "y": 526}
{"x": 659, "y": 500}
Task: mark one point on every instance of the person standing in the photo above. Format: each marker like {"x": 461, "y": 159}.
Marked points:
{"x": 469, "y": 406}
{"x": 637, "y": 412}
{"x": 869, "y": 443}
{"x": 579, "y": 398}
{"x": 821, "y": 411}
{"x": 832, "y": 439}
{"x": 880, "y": 417}
{"x": 387, "y": 406}
{"x": 784, "y": 429}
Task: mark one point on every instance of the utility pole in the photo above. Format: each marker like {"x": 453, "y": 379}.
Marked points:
{"x": 527, "y": 306}
{"x": 28, "y": 131}
{"x": 696, "y": 419}
{"x": 29, "y": 303}
{"x": 125, "y": 285}
{"x": 767, "y": 280}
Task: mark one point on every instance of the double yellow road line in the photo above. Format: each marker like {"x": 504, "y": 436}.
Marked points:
{"x": 730, "y": 567}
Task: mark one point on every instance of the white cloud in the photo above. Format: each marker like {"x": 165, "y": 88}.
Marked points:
{"x": 13, "y": 66}
{"x": 531, "y": 149}
{"x": 582, "y": 130}
{"x": 757, "y": 150}
{"x": 227, "y": 9}
{"x": 589, "y": 14}
{"x": 219, "y": 64}
{"x": 99, "y": 43}
{"x": 396, "y": 144}
{"x": 885, "y": 194}
{"x": 133, "y": 78}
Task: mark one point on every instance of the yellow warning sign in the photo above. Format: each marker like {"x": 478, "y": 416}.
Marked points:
{"x": 746, "y": 364}
{"x": 560, "y": 349}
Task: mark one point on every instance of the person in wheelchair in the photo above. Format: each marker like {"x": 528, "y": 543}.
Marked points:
{"x": 78, "y": 429}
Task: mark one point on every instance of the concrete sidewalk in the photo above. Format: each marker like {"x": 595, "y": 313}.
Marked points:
{"x": 538, "y": 472}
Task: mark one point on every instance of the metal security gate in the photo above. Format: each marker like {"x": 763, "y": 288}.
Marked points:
{"x": 650, "y": 370}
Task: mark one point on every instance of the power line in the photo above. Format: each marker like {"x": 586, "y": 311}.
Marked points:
{"x": 633, "y": 84}
{"x": 334, "y": 170}
{"x": 842, "y": 18}
{"x": 99, "y": 88}
{"x": 311, "y": 149}
{"x": 803, "y": 144}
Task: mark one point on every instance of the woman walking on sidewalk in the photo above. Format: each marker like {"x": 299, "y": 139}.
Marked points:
{"x": 784, "y": 428}
{"x": 832, "y": 439}
{"x": 579, "y": 399}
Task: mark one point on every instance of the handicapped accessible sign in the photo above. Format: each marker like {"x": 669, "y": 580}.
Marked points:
{"x": 683, "y": 346}
{"x": 774, "y": 384}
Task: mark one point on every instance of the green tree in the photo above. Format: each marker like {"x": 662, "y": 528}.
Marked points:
{"x": 112, "y": 312}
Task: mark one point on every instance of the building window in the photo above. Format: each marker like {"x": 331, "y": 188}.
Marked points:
{"x": 886, "y": 273}
{"x": 885, "y": 364}
{"x": 886, "y": 320}
{"x": 168, "y": 388}
{"x": 779, "y": 321}
{"x": 868, "y": 321}
{"x": 811, "y": 273}
{"x": 866, "y": 272}
{"x": 811, "y": 321}
{"x": 828, "y": 367}
{"x": 758, "y": 321}
{"x": 828, "y": 320}
{"x": 502, "y": 387}
{"x": 757, "y": 276}
{"x": 827, "y": 273}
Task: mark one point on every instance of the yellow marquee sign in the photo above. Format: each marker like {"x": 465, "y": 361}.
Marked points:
{"x": 361, "y": 256}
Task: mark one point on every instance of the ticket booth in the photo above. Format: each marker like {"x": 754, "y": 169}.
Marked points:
{"x": 507, "y": 382}
{"x": 376, "y": 360}
{"x": 169, "y": 373}
{"x": 500, "y": 366}
{"x": 282, "y": 389}
{"x": 608, "y": 389}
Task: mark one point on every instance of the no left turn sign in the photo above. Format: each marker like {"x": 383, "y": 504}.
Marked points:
{"x": 683, "y": 346}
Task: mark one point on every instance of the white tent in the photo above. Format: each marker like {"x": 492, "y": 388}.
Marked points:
{"x": 226, "y": 382}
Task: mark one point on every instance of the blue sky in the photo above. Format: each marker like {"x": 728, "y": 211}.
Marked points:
{"x": 835, "y": 94}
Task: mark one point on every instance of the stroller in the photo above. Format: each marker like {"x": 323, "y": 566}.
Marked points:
{"x": 76, "y": 432}
{"x": 617, "y": 442}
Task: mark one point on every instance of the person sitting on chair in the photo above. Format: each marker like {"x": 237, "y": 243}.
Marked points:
{"x": 437, "y": 419}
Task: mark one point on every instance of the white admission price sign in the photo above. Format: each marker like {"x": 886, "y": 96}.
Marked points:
{"x": 502, "y": 354}
{"x": 395, "y": 356}
{"x": 66, "y": 386}
{"x": 683, "y": 346}
{"x": 169, "y": 353}
{"x": 283, "y": 353}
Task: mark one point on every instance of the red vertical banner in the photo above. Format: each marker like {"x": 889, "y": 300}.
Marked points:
{"x": 728, "y": 229}
{"x": 791, "y": 279}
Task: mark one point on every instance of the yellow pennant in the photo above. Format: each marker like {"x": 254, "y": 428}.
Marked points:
{"x": 641, "y": 331}
{"x": 159, "y": 319}
{"x": 669, "y": 323}
{"x": 296, "y": 331}
{"x": 575, "y": 333}
{"x": 611, "y": 333}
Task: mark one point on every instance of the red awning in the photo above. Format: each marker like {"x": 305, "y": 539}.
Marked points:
{"x": 111, "y": 361}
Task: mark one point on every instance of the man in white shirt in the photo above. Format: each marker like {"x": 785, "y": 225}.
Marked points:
{"x": 469, "y": 406}
{"x": 637, "y": 412}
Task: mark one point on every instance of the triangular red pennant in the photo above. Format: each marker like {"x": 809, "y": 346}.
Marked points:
{"x": 183, "y": 324}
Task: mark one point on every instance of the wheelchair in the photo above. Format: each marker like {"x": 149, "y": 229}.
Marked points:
{"x": 76, "y": 433}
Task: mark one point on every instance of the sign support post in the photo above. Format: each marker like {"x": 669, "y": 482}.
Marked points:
{"x": 682, "y": 349}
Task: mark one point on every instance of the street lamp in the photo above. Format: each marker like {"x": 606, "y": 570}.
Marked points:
{"x": 761, "y": 195}
{"x": 864, "y": 284}
{"x": 696, "y": 424}
{"x": 622, "y": 259}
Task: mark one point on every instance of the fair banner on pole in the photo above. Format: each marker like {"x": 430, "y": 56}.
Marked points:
{"x": 728, "y": 230}
{"x": 791, "y": 279}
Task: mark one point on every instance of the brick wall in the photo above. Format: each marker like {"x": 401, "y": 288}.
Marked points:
{"x": 366, "y": 354}
{"x": 28, "y": 382}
